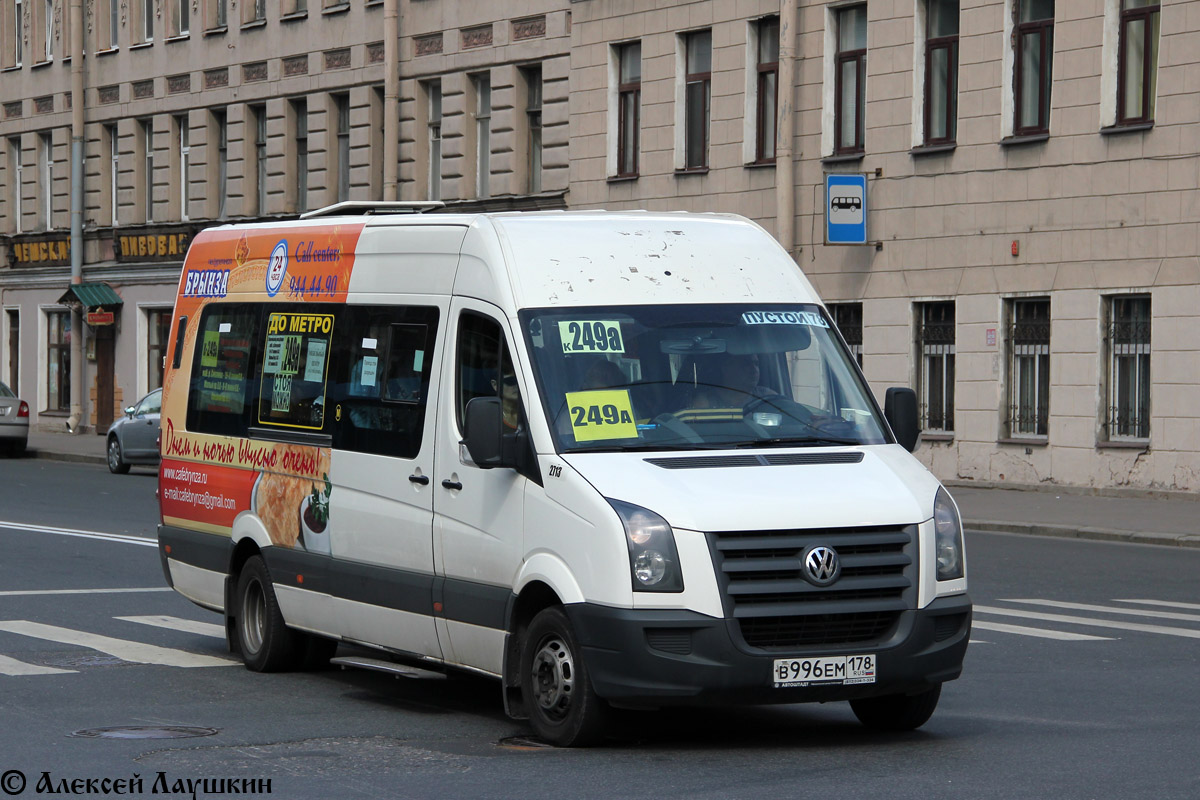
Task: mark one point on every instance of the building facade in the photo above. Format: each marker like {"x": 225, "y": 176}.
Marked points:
{"x": 1032, "y": 178}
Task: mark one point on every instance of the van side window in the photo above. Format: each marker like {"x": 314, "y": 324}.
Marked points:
{"x": 485, "y": 367}
{"x": 379, "y": 379}
{"x": 296, "y": 354}
{"x": 222, "y": 384}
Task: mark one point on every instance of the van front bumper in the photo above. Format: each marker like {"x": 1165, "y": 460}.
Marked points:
{"x": 653, "y": 658}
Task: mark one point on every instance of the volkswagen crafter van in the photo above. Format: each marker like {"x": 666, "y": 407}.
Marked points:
{"x": 610, "y": 459}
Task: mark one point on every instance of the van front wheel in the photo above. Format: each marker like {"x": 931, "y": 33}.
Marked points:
{"x": 897, "y": 712}
{"x": 563, "y": 707}
{"x": 268, "y": 645}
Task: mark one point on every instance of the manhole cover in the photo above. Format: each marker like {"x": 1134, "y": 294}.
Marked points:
{"x": 525, "y": 743}
{"x": 145, "y": 732}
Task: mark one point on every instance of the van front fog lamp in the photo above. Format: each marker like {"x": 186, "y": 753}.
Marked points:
{"x": 653, "y": 559}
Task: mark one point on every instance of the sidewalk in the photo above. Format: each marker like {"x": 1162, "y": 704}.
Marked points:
{"x": 1163, "y": 518}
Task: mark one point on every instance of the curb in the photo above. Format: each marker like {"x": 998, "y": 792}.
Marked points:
{"x": 75, "y": 458}
{"x": 1092, "y": 534}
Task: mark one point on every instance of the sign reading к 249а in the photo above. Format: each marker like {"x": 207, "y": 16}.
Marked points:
{"x": 846, "y": 209}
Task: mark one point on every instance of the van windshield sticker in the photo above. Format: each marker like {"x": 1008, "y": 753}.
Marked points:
{"x": 212, "y": 347}
{"x": 809, "y": 318}
{"x": 599, "y": 415}
{"x": 591, "y": 336}
{"x": 370, "y": 366}
{"x": 314, "y": 365}
{"x": 370, "y": 344}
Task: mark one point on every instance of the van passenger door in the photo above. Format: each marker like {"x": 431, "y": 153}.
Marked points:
{"x": 478, "y": 513}
{"x": 382, "y": 400}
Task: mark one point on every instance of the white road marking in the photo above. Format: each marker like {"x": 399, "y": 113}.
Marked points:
{"x": 1041, "y": 633}
{"x": 35, "y": 592}
{"x": 179, "y": 624}
{"x": 1095, "y": 623}
{"x": 1110, "y": 609}
{"x": 10, "y": 666}
{"x": 121, "y": 648}
{"x": 145, "y": 541}
{"x": 1165, "y": 603}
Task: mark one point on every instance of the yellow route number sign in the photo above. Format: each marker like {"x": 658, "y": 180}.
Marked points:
{"x": 600, "y": 415}
{"x": 591, "y": 336}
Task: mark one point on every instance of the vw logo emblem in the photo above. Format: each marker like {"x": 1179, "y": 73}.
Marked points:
{"x": 821, "y": 565}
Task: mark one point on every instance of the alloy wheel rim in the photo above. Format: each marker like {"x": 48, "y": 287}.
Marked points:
{"x": 114, "y": 454}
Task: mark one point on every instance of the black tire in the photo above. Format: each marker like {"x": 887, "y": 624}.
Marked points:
{"x": 116, "y": 459}
{"x": 563, "y": 707}
{"x": 267, "y": 644}
{"x": 897, "y": 712}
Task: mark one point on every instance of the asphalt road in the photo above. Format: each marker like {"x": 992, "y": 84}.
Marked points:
{"x": 1080, "y": 683}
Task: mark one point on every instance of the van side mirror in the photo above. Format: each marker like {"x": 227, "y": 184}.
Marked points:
{"x": 900, "y": 409}
{"x": 482, "y": 435}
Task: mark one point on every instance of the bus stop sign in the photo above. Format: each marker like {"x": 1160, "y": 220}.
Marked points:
{"x": 846, "y": 209}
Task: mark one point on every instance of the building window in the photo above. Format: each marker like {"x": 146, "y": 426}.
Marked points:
{"x": 147, "y": 18}
{"x": 183, "y": 138}
{"x": 850, "y": 71}
{"x": 299, "y": 114}
{"x": 766, "y": 113}
{"x": 1127, "y": 340}
{"x": 941, "y": 71}
{"x": 935, "y": 346}
{"x": 15, "y": 167}
{"x": 48, "y": 29}
{"x": 849, "y": 320}
{"x": 433, "y": 96}
{"x": 482, "y": 84}
{"x": 533, "y": 118}
{"x": 341, "y": 105}
{"x": 697, "y": 91}
{"x": 145, "y": 186}
{"x": 46, "y": 179}
{"x": 114, "y": 23}
{"x": 58, "y": 360}
{"x": 1137, "y": 64}
{"x": 158, "y": 332}
{"x": 1034, "y": 59}
{"x": 219, "y": 136}
{"x": 629, "y": 107}
{"x": 1028, "y": 367}
{"x": 220, "y": 14}
{"x": 258, "y": 122}
{"x": 14, "y": 350}
{"x": 109, "y": 142}
{"x": 254, "y": 11}
{"x": 180, "y": 17}
{"x": 19, "y": 26}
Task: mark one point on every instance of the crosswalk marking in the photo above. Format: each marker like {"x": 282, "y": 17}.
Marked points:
{"x": 1097, "y": 623}
{"x": 121, "y": 648}
{"x": 144, "y": 541}
{"x": 39, "y": 592}
{"x": 1040, "y": 633}
{"x": 179, "y": 624}
{"x": 10, "y": 666}
{"x": 1165, "y": 603}
{"x": 1110, "y": 609}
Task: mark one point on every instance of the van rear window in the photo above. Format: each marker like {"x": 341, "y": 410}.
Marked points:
{"x": 296, "y": 354}
{"x": 221, "y": 390}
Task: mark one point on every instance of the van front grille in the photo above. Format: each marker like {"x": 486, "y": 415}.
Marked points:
{"x": 761, "y": 575}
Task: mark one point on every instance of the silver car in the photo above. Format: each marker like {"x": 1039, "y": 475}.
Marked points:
{"x": 14, "y": 422}
{"x": 133, "y": 439}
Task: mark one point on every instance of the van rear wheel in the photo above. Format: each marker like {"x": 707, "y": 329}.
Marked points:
{"x": 267, "y": 644}
{"x": 897, "y": 712}
{"x": 563, "y": 708}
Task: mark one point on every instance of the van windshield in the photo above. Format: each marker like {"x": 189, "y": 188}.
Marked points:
{"x": 697, "y": 377}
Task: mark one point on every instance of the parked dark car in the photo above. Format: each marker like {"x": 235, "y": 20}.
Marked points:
{"x": 133, "y": 439}
{"x": 14, "y": 422}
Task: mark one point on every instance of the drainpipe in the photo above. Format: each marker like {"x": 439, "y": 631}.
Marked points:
{"x": 76, "y": 23}
{"x": 391, "y": 99}
{"x": 785, "y": 168}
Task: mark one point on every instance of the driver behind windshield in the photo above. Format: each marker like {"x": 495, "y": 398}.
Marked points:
{"x": 730, "y": 381}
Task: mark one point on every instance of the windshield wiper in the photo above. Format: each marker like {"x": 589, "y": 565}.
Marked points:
{"x": 797, "y": 441}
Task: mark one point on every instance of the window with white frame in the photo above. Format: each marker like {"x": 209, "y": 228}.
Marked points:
{"x": 158, "y": 331}
{"x": 1028, "y": 345}
{"x": 533, "y": 121}
{"x": 935, "y": 365}
{"x": 110, "y": 143}
{"x": 58, "y": 360}
{"x": 849, "y": 320}
{"x": 627, "y": 109}
{"x": 482, "y": 85}
{"x": 15, "y": 179}
{"x": 433, "y": 99}
{"x": 180, "y": 17}
{"x": 144, "y": 181}
{"x": 147, "y": 20}
{"x": 48, "y": 29}
{"x": 940, "y": 121}
{"x": 762, "y": 88}
{"x": 697, "y": 98}
{"x": 1127, "y": 342}
{"x": 341, "y": 109}
{"x": 850, "y": 78}
{"x": 183, "y": 140}
{"x": 1137, "y": 61}
{"x": 114, "y": 24}
{"x": 1033, "y": 60}
{"x": 46, "y": 178}
{"x": 18, "y": 26}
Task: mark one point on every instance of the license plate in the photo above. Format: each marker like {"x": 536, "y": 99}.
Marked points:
{"x": 823, "y": 671}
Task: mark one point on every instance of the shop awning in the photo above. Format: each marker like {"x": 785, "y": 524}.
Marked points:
{"x": 91, "y": 295}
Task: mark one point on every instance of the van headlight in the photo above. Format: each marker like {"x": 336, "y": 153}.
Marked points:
{"x": 948, "y": 540}
{"x": 653, "y": 559}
